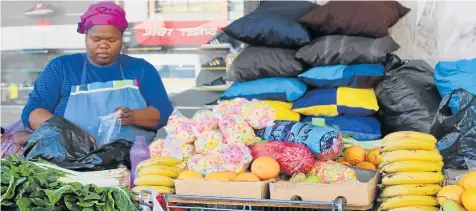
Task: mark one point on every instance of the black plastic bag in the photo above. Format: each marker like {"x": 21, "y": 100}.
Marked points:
{"x": 61, "y": 142}
{"x": 407, "y": 96}
{"x": 456, "y": 133}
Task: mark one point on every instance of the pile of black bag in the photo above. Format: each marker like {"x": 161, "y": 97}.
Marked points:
{"x": 61, "y": 142}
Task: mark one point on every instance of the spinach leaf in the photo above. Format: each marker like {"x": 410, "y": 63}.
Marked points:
{"x": 70, "y": 202}
{"x": 39, "y": 202}
{"x": 41, "y": 209}
{"x": 11, "y": 188}
{"x": 110, "y": 202}
{"x": 92, "y": 196}
{"x": 7, "y": 204}
{"x": 23, "y": 203}
{"x": 55, "y": 195}
{"x": 124, "y": 198}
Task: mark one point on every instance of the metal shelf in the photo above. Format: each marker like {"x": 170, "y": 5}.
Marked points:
{"x": 189, "y": 202}
{"x": 212, "y": 88}
{"x": 214, "y": 68}
{"x": 223, "y": 46}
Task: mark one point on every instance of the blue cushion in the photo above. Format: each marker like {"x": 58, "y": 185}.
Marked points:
{"x": 359, "y": 128}
{"x": 281, "y": 89}
{"x": 273, "y": 24}
{"x": 355, "y": 76}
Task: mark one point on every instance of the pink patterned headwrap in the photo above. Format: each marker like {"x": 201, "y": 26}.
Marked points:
{"x": 103, "y": 13}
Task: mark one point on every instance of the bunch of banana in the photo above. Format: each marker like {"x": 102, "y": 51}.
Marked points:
{"x": 411, "y": 167}
{"x": 158, "y": 174}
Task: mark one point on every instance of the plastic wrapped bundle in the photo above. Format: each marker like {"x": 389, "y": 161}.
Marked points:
{"x": 206, "y": 163}
{"x": 334, "y": 151}
{"x": 181, "y": 128}
{"x": 324, "y": 142}
{"x": 230, "y": 106}
{"x": 206, "y": 120}
{"x": 330, "y": 171}
{"x": 257, "y": 113}
{"x": 293, "y": 158}
{"x": 236, "y": 130}
{"x": 156, "y": 147}
{"x": 237, "y": 157}
{"x": 172, "y": 148}
{"x": 208, "y": 140}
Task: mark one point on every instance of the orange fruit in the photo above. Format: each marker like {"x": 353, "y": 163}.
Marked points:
{"x": 366, "y": 165}
{"x": 468, "y": 180}
{"x": 230, "y": 174}
{"x": 190, "y": 174}
{"x": 354, "y": 155}
{"x": 373, "y": 156}
{"x": 218, "y": 176}
{"x": 246, "y": 177}
{"x": 469, "y": 199}
{"x": 452, "y": 192}
{"x": 265, "y": 168}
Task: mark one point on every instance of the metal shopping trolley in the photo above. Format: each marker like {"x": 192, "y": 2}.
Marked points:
{"x": 193, "y": 203}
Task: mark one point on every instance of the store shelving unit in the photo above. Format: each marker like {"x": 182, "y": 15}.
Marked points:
{"x": 192, "y": 100}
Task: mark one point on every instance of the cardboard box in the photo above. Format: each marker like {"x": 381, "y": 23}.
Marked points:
{"x": 357, "y": 193}
{"x": 452, "y": 175}
{"x": 199, "y": 187}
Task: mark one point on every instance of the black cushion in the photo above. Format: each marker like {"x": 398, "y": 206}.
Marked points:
{"x": 258, "y": 62}
{"x": 273, "y": 24}
{"x": 340, "y": 49}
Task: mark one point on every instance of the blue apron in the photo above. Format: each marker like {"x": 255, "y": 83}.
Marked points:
{"x": 89, "y": 102}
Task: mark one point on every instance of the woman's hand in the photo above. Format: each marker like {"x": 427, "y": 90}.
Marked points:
{"x": 20, "y": 137}
{"x": 147, "y": 117}
{"x": 124, "y": 116}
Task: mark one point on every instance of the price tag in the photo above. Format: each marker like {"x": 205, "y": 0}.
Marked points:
{"x": 319, "y": 122}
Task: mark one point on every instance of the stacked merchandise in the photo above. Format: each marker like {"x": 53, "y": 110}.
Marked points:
{"x": 347, "y": 64}
{"x": 222, "y": 145}
{"x": 214, "y": 141}
{"x": 265, "y": 69}
{"x": 346, "y": 57}
{"x": 412, "y": 167}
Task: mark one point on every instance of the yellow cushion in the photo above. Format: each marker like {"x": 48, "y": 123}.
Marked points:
{"x": 283, "y": 110}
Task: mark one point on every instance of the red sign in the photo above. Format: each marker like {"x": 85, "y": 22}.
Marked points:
{"x": 167, "y": 33}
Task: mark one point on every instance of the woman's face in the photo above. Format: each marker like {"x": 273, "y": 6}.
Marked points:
{"x": 103, "y": 44}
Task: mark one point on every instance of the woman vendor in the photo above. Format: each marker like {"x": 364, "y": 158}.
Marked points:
{"x": 84, "y": 88}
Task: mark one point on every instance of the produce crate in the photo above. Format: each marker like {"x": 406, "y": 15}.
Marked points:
{"x": 358, "y": 193}
{"x": 200, "y": 187}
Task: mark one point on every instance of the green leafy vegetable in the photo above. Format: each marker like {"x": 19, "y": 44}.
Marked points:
{"x": 23, "y": 203}
{"x": 29, "y": 187}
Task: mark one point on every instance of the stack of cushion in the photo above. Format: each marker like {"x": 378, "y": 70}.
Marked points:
{"x": 267, "y": 68}
{"x": 346, "y": 63}
{"x": 316, "y": 61}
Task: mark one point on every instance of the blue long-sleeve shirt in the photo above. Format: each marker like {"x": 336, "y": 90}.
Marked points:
{"x": 53, "y": 86}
